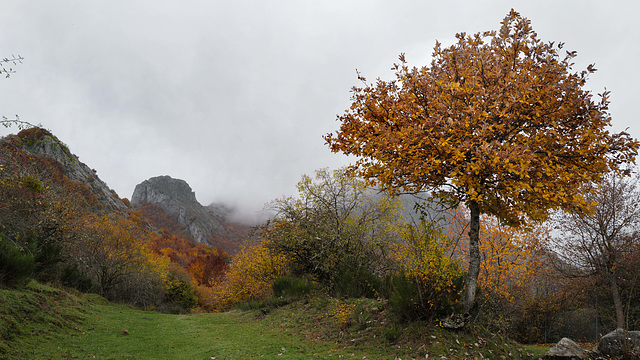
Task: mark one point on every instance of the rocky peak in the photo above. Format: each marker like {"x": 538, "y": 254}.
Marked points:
{"x": 163, "y": 189}
{"x": 41, "y": 142}
{"x": 175, "y": 197}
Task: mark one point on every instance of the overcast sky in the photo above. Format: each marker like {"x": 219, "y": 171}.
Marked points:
{"x": 235, "y": 96}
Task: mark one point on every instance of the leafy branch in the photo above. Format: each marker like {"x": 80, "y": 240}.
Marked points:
{"x": 15, "y": 60}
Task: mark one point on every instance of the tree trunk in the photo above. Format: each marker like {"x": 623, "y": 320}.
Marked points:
{"x": 469, "y": 294}
{"x": 617, "y": 302}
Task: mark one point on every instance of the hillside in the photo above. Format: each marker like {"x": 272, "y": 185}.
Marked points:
{"x": 41, "y": 322}
{"x": 60, "y": 223}
{"x": 34, "y": 148}
{"x": 39, "y": 151}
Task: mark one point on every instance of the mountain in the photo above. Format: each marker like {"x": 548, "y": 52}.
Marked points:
{"x": 41, "y": 142}
{"x": 205, "y": 224}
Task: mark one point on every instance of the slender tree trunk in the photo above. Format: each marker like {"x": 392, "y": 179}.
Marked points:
{"x": 617, "y": 302}
{"x": 469, "y": 294}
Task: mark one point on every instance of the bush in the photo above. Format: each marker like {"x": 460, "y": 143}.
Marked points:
{"x": 16, "y": 265}
{"x": 352, "y": 281}
{"x": 33, "y": 184}
{"x": 429, "y": 281}
{"x": 412, "y": 298}
{"x": 251, "y": 275}
{"x": 71, "y": 276}
{"x": 292, "y": 287}
{"x": 180, "y": 294}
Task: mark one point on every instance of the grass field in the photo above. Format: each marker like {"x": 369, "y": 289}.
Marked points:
{"x": 40, "y": 322}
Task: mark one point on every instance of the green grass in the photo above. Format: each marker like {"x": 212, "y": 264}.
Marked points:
{"x": 40, "y": 322}
{"x": 537, "y": 350}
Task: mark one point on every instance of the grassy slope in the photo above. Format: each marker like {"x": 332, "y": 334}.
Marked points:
{"x": 44, "y": 323}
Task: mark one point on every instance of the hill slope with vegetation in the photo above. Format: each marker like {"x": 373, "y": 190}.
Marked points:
{"x": 40, "y": 322}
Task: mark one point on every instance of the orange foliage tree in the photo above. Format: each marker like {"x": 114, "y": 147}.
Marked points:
{"x": 498, "y": 122}
{"x": 113, "y": 250}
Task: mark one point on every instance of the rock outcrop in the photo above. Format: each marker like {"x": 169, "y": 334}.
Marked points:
{"x": 175, "y": 197}
{"x": 42, "y": 142}
{"x": 566, "y": 349}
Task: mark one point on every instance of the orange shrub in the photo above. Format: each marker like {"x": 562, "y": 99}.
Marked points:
{"x": 251, "y": 274}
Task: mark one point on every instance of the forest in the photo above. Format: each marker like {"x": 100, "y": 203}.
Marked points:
{"x": 488, "y": 190}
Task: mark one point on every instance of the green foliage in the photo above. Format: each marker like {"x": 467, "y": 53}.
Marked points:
{"x": 292, "y": 287}
{"x": 337, "y": 228}
{"x": 353, "y": 281}
{"x": 403, "y": 297}
{"x": 180, "y": 294}
{"x": 16, "y": 265}
{"x": 264, "y": 305}
{"x": 392, "y": 333}
{"x": 412, "y": 299}
{"x": 72, "y": 277}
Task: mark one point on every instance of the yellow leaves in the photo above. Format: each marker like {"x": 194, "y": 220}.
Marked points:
{"x": 343, "y": 312}
{"x": 424, "y": 255}
{"x": 251, "y": 274}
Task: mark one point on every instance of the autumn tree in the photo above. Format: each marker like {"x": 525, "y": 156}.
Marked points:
{"x": 498, "y": 122}
{"x": 113, "y": 250}
{"x": 600, "y": 243}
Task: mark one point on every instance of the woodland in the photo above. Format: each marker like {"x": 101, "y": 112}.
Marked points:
{"x": 488, "y": 190}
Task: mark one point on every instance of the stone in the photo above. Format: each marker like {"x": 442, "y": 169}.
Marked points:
{"x": 616, "y": 342}
{"x": 454, "y": 321}
{"x": 566, "y": 349}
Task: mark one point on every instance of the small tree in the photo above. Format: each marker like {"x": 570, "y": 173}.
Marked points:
{"x": 498, "y": 122}
{"x": 336, "y": 223}
{"x": 600, "y": 243}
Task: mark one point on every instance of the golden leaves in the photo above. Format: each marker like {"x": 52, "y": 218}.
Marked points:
{"x": 498, "y": 117}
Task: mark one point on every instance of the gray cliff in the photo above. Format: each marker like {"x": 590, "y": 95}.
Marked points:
{"x": 175, "y": 197}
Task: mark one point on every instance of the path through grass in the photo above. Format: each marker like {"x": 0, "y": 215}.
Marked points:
{"x": 118, "y": 332}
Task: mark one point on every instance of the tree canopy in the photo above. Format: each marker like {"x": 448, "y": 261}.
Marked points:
{"x": 499, "y": 122}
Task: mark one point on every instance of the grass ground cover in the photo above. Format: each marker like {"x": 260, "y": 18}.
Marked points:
{"x": 40, "y": 322}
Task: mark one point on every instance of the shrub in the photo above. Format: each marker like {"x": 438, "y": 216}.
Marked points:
{"x": 71, "y": 276}
{"x": 429, "y": 282}
{"x": 353, "y": 281}
{"x": 180, "y": 293}
{"x": 292, "y": 287}
{"x": 251, "y": 275}
{"x": 33, "y": 184}
{"x": 16, "y": 265}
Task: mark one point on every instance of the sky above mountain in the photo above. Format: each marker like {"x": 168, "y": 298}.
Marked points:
{"x": 235, "y": 96}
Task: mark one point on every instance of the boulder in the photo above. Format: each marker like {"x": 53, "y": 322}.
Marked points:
{"x": 566, "y": 349}
{"x": 619, "y": 342}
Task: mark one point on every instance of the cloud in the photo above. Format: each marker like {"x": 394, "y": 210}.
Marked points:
{"x": 234, "y": 97}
